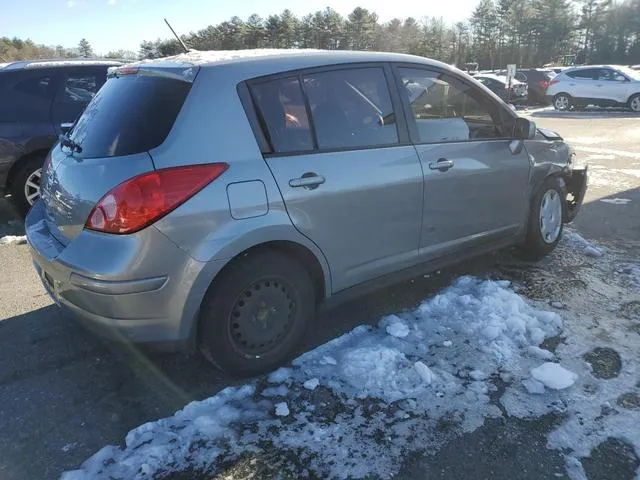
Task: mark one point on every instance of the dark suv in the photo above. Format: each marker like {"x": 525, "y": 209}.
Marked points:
{"x": 39, "y": 100}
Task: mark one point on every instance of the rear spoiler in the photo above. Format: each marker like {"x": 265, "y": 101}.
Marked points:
{"x": 184, "y": 74}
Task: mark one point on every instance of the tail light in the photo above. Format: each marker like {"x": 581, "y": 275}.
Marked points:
{"x": 142, "y": 200}
{"x": 553, "y": 82}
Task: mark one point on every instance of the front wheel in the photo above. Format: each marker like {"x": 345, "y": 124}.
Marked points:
{"x": 634, "y": 103}
{"x": 545, "y": 219}
{"x": 256, "y": 313}
{"x": 25, "y": 185}
{"x": 562, "y": 102}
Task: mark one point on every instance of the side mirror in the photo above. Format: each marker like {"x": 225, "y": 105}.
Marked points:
{"x": 524, "y": 129}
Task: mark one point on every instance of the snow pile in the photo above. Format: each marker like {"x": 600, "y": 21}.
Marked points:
{"x": 398, "y": 379}
{"x": 577, "y": 242}
{"x": 17, "y": 239}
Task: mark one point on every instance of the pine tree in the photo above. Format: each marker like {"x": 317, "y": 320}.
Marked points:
{"x": 84, "y": 48}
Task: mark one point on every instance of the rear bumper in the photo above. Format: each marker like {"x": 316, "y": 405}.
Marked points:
{"x": 138, "y": 288}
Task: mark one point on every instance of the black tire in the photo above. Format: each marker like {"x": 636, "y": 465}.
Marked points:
{"x": 19, "y": 180}
{"x": 281, "y": 285}
{"x": 558, "y": 99}
{"x": 633, "y": 101}
{"x": 535, "y": 245}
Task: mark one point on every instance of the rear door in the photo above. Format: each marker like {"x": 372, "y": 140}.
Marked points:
{"x": 475, "y": 188}
{"x": 77, "y": 88}
{"x": 351, "y": 181}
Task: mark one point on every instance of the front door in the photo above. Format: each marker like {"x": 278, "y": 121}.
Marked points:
{"x": 347, "y": 182}
{"x": 475, "y": 181}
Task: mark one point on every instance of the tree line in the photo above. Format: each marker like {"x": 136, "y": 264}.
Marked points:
{"x": 526, "y": 32}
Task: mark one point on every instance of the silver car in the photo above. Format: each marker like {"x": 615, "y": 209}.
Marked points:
{"x": 215, "y": 199}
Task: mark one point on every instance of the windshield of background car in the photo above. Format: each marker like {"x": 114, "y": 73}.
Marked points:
{"x": 129, "y": 114}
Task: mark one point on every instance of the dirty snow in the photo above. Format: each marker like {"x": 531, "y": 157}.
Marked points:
{"x": 396, "y": 327}
{"x": 490, "y": 328}
{"x": 311, "y": 384}
{"x": 616, "y": 201}
{"x": 579, "y": 243}
{"x": 9, "y": 239}
{"x": 553, "y": 375}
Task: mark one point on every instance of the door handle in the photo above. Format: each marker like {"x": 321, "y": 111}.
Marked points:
{"x": 598, "y": 85}
{"x": 308, "y": 180}
{"x": 442, "y": 164}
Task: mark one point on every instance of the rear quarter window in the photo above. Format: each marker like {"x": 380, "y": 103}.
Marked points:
{"x": 128, "y": 115}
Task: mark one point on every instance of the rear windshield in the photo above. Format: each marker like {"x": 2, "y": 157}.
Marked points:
{"x": 128, "y": 115}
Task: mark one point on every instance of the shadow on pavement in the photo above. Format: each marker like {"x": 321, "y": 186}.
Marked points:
{"x": 65, "y": 393}
{"x": 612, "y": 218}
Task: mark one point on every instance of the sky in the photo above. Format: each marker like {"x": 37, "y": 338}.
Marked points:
{"x": 123, "y": 24}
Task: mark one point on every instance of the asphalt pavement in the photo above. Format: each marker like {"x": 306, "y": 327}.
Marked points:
{"x": 65, "y": 393}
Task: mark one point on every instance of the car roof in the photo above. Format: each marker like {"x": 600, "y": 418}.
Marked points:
{"x": 57, "y": 63}
{"x": 282, "y": 59}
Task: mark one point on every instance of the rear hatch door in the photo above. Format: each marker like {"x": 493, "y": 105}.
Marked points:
{"x": 131, "y": 114}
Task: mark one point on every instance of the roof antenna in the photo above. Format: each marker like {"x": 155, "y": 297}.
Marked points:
{"x": 186, "y": 50}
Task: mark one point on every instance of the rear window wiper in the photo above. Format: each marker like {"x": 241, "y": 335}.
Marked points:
{"x": 65, "y": 141}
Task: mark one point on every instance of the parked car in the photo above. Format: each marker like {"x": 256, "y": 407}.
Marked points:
{"x": 537, "y": 81}
{"x": 317, "y": 176}
{"x": 604, "y": 86}
{"x": 39, "y": 99}
{"x": 517, "y": 93}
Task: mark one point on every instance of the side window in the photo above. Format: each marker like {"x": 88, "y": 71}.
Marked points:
{"x": 283, "y": 115}
{"x": 36, "y": 86}
{"x": 351, "y": 108}
{"x": 447, "y": 110}
{"x": 586, "y": 74}
{"x": 80, "y": 88}
{"x": 616, "y": 76}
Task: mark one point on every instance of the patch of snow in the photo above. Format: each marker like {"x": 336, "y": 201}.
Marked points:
{"x": 363, "y": 366}
{"x": 282, "y": 409}
{"x": 17, "y": 239}
{"x": 588, "y": 140}
{"x": 616, "y": 201}
{"x": 554, "y": 376}
{"x": 533, "y": 386}
{"x": 68, "y": 447}
{"x": 311, "y": 384}
{"x": 447, "y": 343}
{"x": 425, "y": 372}
{"x": 540, "y": 353}
{"x": 577, "y": 242}
{"x": 281, "y": 375}
{"x": 327, "y": 360}
{"x": 607, "y": 151}
{"x": 558, "y": 305}
{"x": 632, "y": 272}
{"x": 279, "y": 391}
{"x": 196, "y": 57}
{"x": 396, "y": 327}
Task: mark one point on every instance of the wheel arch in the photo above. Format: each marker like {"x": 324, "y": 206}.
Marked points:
{"x": 314, "y": 262}
{"x": 21, "y": 161}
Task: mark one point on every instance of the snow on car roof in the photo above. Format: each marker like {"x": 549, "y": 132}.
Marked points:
{"x": 56, "y": 63}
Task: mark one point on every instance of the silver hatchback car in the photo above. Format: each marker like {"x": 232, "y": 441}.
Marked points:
{"x": 216, "y": 198}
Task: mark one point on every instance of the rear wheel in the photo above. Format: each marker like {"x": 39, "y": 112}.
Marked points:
{"x": 634, "y": 103}
{"x": 255, "y": 315}
{"x": 25, "y": 185}
{"x": 545, "y": 219}
{"x": 562, "y": 102}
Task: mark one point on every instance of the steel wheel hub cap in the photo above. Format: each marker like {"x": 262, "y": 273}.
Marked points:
{"x": 550, "y": 216}
{"x": 635, "y": 104}
{"x": 32, "y": 187}
{"x": 562, "y": 103}
{"x": 262, "y": 317}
